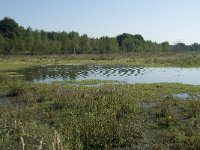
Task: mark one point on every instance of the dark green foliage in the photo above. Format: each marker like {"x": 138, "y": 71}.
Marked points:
{"x": 15, "y": 39}
{"x": 128, "y": 42}
{"x": 8, "y": 27}
{"x": 195, "y": 47}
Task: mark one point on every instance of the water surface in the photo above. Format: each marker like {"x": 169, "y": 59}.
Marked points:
{"x": 129, "y": 74}
{"x": 4, "y": 101}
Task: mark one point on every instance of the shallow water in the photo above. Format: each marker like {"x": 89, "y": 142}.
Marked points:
{"x": 129, "y": 74}
{"x": 186, "y": 96}
{"x": 4, "y": 101}
{"x": 183, "y": 96}
{"x": 150, "y": 104}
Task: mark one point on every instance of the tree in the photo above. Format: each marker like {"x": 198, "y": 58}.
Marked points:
{"x": 180, "y": 47}
{"x": 52, "y": 36}
{"x": 84, "y": 44}
{"x": 19, "y": 45}
{"x": 65, "y": 42}
{"x": 113, "y": 45}
{"x": 55, "y": 47}
{"x": 128, "y": 42}
{"x": 122, "y": 37}
{"x": 94, "y": 45}
{"x": 165, "y": 46}
{"x": 128, "y": 45}
{"x": 195, "y": 47}
{"x": 29, "y": 40}
{"x": 74, "y": 37}
{"x": 8, "y": 27}
{"x": 17, "y": 39}
{"x": 107, "y": 45}
{"x": 7, "y": 46}
{"x": 37, "y": 46}
{"x": 2, "y": 44}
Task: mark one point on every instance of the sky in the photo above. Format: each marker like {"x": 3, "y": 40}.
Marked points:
{"x": 156, "y": 20}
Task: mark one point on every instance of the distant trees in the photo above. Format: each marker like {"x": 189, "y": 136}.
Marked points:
{"x": 85, "y": 44}
{"x": 180, "y": 47}
{"x": 107, "y": 45}
{"x": 165, "y": 46}
{"x": 136, "y": 43}
{"x": 17, "y": 39}
{"x": 195, "y": 47}
{"x": 8, "y": 27}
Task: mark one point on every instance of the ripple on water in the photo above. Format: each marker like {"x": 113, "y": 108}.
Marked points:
{"x": 130, "y": 74}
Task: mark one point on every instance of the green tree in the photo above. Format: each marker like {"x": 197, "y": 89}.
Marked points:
{"x": 2, "y": 44}
{"x": 37, "y": 46}
{"x": 94, "y": 45}
{"x": 7, "y": 46}
{"x": 19, "y": 45}
{"x": 55, "y": 47}
{"x": 52, "y": 36}
{"x": 107, "y": 45}
{"x": 180, "y": 47}
{"x": 85, "y": 44}
{"x": 195, "y": 47}
{"x": 44, "y": 44}
{"x": 128, "y": 45}
{"x": 29, "y": 40}
{"x": 65, "y": 43}
{"x": 128, "y": 42}
{"x": 165, "y": 46}
{"x": 8, "y": 27}
{"x": 74, "y": 37}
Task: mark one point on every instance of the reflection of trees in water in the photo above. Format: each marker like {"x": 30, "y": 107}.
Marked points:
{"x": 72, "y": 72}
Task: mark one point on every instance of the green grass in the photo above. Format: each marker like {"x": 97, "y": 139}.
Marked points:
{"x": 107, "y": 117}
{"x": 186, "y": 59}
{"x": 89, "y": 82}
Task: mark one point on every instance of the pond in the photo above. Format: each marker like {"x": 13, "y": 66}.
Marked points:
{"x": 126, "y": 73}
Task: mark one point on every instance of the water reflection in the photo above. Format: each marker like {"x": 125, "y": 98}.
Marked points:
{"x": 130, "y": 74}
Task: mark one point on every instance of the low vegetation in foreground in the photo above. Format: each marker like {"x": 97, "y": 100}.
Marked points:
{"x": 112, "y": 116}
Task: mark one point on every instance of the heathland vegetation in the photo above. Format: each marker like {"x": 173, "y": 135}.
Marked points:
{"x": 15, "y": 39}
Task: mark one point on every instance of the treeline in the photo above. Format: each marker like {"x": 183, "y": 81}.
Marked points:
{"x": 15, "y": 39}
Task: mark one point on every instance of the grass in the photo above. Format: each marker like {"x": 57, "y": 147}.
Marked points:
{"x": 89, "y": 82}
{"x": 112, "y": 116}
{"x": 168, "y": 59}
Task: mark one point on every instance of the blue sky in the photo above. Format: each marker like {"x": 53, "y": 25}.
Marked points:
{"x": 156, "y": 20}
